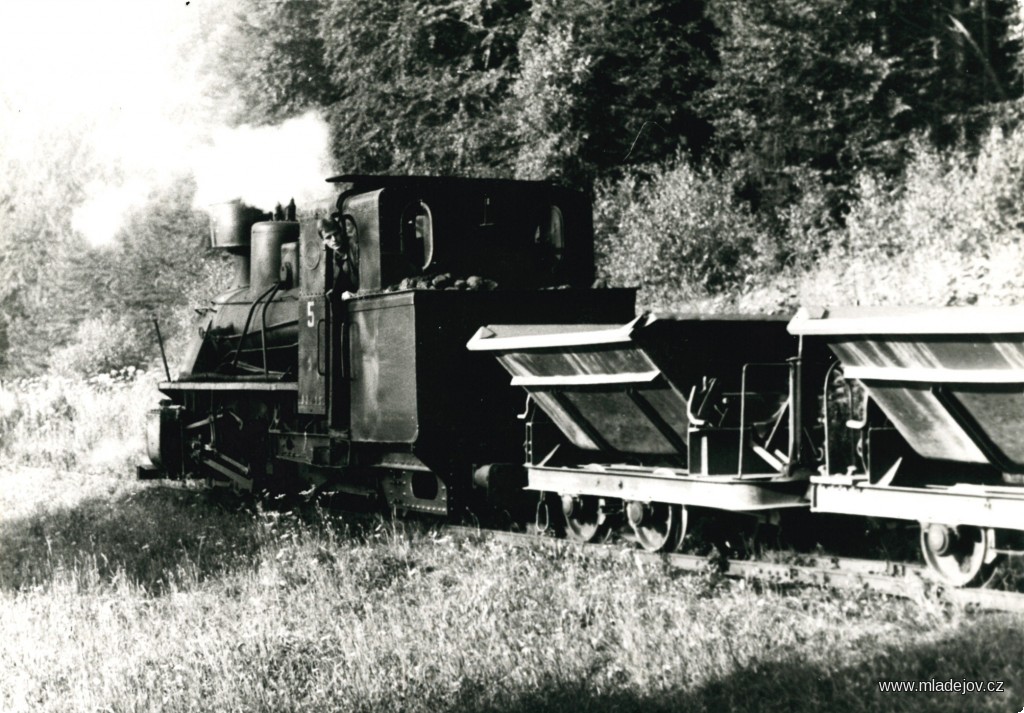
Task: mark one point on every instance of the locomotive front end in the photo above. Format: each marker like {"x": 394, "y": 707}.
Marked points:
{"x": 244, "y": 343}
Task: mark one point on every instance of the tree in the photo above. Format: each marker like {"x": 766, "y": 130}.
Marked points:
{"x": 269, "y": 61}
{"x": 799, "y": 85}
{"x": 422, "y": 83}
{"x": 38, "y": 191}
{"x": 53, "y": 282}
{"x": 149, "y": 271}
{"x": 607, "y": 84}
{"x": 479, "y": 87}
{"x": 835, "y": 87}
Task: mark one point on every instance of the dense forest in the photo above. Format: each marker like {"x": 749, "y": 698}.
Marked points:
{"x": 741, "y": 155}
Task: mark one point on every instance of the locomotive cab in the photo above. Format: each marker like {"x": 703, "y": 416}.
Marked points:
{"x": 412, "y": 231}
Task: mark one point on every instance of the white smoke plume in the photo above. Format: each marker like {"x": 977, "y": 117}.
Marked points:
{"x": 263, "y": 166}
{"x": 127, "y": 77}
{"x": 266, "y": 165}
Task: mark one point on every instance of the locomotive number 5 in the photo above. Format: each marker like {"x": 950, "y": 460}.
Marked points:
{"x": 310, "y": 317}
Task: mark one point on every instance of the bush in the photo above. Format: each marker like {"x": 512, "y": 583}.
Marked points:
{"x": 679, "y": 235}
{"x": 78, "y": 423}
{"x": 105, "y": 343}
{"x": 948, "y": 201}
{"x": 948, "y": 232}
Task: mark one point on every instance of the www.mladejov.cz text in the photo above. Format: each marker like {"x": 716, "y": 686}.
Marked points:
{"x": 948, "y": 685}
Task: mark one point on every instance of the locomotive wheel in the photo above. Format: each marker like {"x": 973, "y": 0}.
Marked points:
{"x": 962, "y": 556}
{"x": 659, "y": 527}
{"x": 585, "y": 521}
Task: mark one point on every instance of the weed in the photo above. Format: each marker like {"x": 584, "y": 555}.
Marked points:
{"x": 72, "y": 423}
{"x": 171, "y": 599}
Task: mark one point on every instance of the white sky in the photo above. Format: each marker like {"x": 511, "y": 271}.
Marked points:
{"x": 120, "y": 69}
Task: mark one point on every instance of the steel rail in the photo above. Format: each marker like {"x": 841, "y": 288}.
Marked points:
{"x": 906, "y": 580}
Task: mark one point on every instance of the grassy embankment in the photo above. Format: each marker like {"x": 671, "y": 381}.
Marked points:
{"x": 122, "y": 596}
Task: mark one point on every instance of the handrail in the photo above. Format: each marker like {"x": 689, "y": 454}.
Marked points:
{"x": 248, "y": 321}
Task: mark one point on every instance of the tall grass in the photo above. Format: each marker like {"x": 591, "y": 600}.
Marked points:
{"x": 175, "y": 599}
{"x": 117, "y": 595}
{"x": 75, "y": 423}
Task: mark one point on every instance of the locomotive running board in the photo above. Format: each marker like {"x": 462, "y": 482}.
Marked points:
{"x": 166, "y": 386}
{"x": 961, "y": 504}
{"x": 746, "y": 494}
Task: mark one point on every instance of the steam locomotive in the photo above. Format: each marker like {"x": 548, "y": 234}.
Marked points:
{"x": 368, "y": 351}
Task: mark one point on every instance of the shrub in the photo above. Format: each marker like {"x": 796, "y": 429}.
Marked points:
{"x": 679, "y": 236}
{"x": 102, "y": 344}
{"x": 948, "y": 232}
{"x": 70, "y": 423}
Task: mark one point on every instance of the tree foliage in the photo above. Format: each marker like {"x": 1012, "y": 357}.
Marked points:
{"x": 731, "y": 142}
{"x": 607, "y": 84}
{"x": 148, "y": 272}
{"x": 161, "y": 241}
{"x": 841, "y": 86}
{"x": 584, "y": 90}
{"x": 59, "y": 291}
{"x": 798, "y": 85}
{"x": 269, "y": 61}
{"x": 37, "y": 194}
{"x": 421, "y": 83}
{"x": 548, "y": 89}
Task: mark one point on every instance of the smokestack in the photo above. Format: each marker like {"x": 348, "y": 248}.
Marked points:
{"x": 231, "y": 229}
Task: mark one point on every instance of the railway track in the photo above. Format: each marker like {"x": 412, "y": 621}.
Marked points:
{"x": 905, "y": 580}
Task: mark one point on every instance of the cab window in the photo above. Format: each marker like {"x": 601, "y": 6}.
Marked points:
{"x": 418, "y": 234}
{"x": 550, "y": 235}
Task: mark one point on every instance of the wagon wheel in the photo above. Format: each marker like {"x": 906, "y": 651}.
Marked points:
{"x": 659, "y": 527}
{"x": 961, "y": 556}
{"x": 585, "y": 520}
